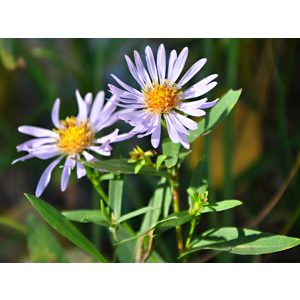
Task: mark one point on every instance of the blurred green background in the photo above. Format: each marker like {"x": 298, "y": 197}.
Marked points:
{"x": 250, "y": 155}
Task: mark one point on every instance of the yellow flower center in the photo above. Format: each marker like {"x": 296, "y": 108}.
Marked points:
{"x": 73, "y": 137}
{"x": 161, "y": 98}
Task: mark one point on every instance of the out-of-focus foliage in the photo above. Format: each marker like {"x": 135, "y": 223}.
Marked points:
{"x": 249, "y": 155}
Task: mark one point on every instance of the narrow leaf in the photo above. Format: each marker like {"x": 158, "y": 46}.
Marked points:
{"x": 135, "y": 213}
{"x": 120, "y": 166}
{"x": 156, "y": 201}
{"x": 221, "y": 205}
{"x": 216, "y": 114}
{"x": 167, "y": 200}
{"x": 242, "y": 241}
{"x": 115, "y": 194}
{"x": 63, "y": 226}
{"x": 87, "y": 216}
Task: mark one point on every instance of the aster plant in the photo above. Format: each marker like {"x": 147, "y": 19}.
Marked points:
{"x": 167, "y": 110}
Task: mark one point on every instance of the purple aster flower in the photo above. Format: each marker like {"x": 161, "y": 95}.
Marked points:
{"x": 161, "y": 94}
{"x": 72, "y": 138}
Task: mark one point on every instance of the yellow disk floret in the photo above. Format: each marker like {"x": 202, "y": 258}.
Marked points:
{"x": 73, "y": 137}
{"x": 161, "y": 98}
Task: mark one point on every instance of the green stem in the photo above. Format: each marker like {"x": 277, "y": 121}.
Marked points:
{"x": 96, "y": 230}
{"x": 97, "y": 184}
{"x": 176, "y": 207}
{"x": 191, "y": 232}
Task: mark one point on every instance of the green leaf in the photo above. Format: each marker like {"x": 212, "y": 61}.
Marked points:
{"x": 122, "y": 165}
{"x": 139, "y": 166}
{"x": 160, "y": 159}
{"x": 216, "y": 114}
{"x": 167, "y": 200}
{"x": 42, "y": 245}
{"x": 135, "y": 213}
{"x": 87, "y": 216}
{"x": 171, "y": 150}
{"x": 173, "y": 220}
{"x": 221, "y": 205}
{"x": 242, "y": 241}
{"x": 156, "y": 201}
{"x": 115, "y": 193}
{"x": 126, "y": 251}
{"x": 63, "y": 226}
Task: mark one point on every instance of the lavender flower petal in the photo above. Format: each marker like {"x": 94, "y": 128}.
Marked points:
{"x": 155, "y": 137}
{"x": 96, "y": 108}
{"x": 200, "y": 88}
{"x": 82, "y": 108}
{"x": 126, "y": 86}
{"x": 194, "y": 69}
{"x": 172, "y": 60}
{"x": 88, "y": 99}
{"x": 151, "y": 64}
{"x": 171, "y": 129}
{"x": 66, "y": 172}
{"x": 33, "y": 143}
{"x": 188, "y": 123}
{"x": 80, "y": 170}
{"x": 134, "y": 72}
{"x": 161, "y": 63}
{"x": 109, "y": 137}
{"x": 179, "y": 64}
{"x": 141, "y": 68}
{"x": 45, "y": 178}
{"x": 23, "y": 158}
{"x": 37, "y": 131}
{"x": 179, "y": 127}
{"x": 193, "y": 112}
{"x": 55, "y": 113}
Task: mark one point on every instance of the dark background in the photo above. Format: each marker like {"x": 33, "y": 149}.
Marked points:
{"x": 250, "y": 154}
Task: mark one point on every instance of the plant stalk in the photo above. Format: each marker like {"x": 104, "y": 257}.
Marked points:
{"x": 191, "y": 232}
{"x": 176, "y": 207}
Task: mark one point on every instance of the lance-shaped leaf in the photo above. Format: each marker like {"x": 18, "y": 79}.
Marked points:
{"x": 171, "y": 151}
{"x": 135, "y": 213}
{"x": 115, "y": 193}
{"x": 62, "y": 225}
{"x": 122, "y": 165}
{"x": 87, "y": 216}
{"x": 156, "y": 202}
{"x": 42, "y": 245}
{"x": 221, "y": 110}
{"x": 242, "y": 241}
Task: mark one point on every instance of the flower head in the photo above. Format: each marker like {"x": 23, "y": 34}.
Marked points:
{"x": 161, "y": 95}
{"x": 72, "y": 138}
